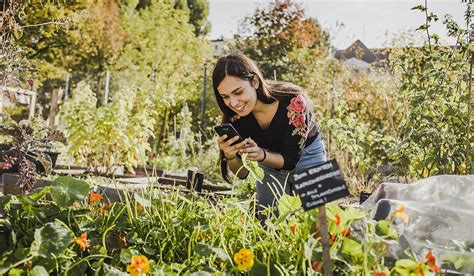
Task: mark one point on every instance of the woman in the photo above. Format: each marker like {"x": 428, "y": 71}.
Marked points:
{"x": 276, "y": 120}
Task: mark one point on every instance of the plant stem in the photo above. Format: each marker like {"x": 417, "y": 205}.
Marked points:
{"x": 21, "y": 262}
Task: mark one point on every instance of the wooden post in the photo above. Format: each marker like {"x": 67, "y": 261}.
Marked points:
{"x": 66, "y": 90}
{"x": 203, "y": 100}
{"x": 106, "y": 92}
{"x": 327, "y": 265}
{"x": 54, "y": 108}
{"x": 31, "y": 114}
{"x": 153, "y": 82}
{"x": 194, "y": 181}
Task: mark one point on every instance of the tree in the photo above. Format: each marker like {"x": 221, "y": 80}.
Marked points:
{"x": 198, "y": 13}
{"x": 272, "y": 33}
{"x": 197, "y": 10}
{"x": 163, "y": 57}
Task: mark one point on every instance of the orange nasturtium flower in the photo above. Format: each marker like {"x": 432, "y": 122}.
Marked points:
{"x": 293, "y": 228}
{"x": 139, "y": 266}
{"x": 338, "y": 220}
{"x": 94, "y": 197}
{"x": 346, "y": 232}
{"x": 400, "y": 212}
{"x": 431, "y": 262}
{"x": 244, "y": 259}
{"x": 82, "y": 241}
{"x": 379, "y": 273}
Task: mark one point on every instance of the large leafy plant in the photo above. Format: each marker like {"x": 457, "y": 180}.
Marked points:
{"x": 111, "y": 135}
{"x": 28, "y": 141}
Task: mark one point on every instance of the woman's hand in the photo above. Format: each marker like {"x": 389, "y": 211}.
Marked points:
{"x": 226, "y": 146}
{"x": 254, "y": 152}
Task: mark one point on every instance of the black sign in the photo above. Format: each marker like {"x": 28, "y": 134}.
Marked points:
{"x": 320, "y": 184}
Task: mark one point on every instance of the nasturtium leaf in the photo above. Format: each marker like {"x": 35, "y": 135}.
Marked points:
{"x": 126, "y": 255}
{"x": 352, "y": 213}
{"x": 38, "y": 271}
{"x": 203, "y": 249}
{"x": 221, "y": 253}
{"x": 352, "y": 250}
{"x": 51, "y": 240}
{"x": 287, "y": 203}
{"x": 65, "y": 190}
{"x": 252, "y": 166}
{"x": 384, "y": 228}
{"x": 109, "y": 270}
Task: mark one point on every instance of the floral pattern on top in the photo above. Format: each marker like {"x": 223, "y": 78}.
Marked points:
{"x": 297, "y": 118}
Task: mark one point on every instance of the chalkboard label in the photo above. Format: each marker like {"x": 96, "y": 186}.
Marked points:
{"x": 320, "y": 184}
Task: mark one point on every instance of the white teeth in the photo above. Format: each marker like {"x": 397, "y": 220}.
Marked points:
{"x": 240, "y": 108}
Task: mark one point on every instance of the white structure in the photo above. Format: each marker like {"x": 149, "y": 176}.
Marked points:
{"x": 221, "y": 46}
{"x": 22, "y": 96}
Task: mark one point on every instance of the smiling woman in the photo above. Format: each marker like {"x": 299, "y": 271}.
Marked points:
{"x": 276, "y": 120}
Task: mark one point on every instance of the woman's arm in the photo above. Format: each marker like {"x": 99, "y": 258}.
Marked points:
{"x": 230, "y": 153}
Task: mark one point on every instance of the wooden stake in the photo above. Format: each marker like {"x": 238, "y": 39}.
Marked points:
{"x": 323, "y": 220}
{"x": 53, "y": 109}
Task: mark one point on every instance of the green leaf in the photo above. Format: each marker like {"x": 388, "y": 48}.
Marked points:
{"x": 352, "y": 250}
{"x": 126, "y": 255}
{"x": 221, "y": 253}
{"x": 419, "y": 7}
{"x": 4, "y": 200}
{"x": 65, "y": 190}
{"x": 51, "y": 240}
{"x": 384, "y": 228}
{"x": 203, "y": 249}
{"x": 16, "y": 272}
{"x": 252, "y": 166}
{"x": 352, "y": 213}
{"x": 109, "y": 270}
{"x": 288, "y": 203}
{"x": 39, "y": 271}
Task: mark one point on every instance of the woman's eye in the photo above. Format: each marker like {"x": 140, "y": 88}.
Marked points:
{"x": 238, "y": 92}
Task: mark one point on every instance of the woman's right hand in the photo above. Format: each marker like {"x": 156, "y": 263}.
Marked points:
{"x": 230, "y": 151}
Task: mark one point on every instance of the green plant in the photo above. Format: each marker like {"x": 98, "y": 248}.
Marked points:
{"x": 434, "y": 81}
{"x": 112, "y": 135}
{"x": 28, "y": 141}
{"x": 79, "y": 234}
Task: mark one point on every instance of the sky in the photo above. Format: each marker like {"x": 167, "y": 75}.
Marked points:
{"x": 377, "y": 23}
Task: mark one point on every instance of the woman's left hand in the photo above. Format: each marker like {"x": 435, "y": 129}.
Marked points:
{"x": 254, "y": 152}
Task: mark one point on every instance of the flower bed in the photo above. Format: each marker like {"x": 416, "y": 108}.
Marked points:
{"x": 79, "y": 232}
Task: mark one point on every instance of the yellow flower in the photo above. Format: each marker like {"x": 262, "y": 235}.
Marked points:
{"x": 400, "y": 212}
{"x": 82, "y": 241}
{"x": 139, "y": 266}
{"x": 244, "y": 259}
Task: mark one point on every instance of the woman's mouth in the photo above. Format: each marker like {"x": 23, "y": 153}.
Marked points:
{"x": 239, "y": 108}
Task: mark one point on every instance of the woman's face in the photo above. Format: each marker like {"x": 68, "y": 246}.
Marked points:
{"x": 238, "y": 94}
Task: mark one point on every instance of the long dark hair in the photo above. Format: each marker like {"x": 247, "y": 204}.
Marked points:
{"x": 240, "y": 66}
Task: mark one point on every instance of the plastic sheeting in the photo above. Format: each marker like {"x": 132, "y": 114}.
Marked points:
{"x": 441, "y": 219}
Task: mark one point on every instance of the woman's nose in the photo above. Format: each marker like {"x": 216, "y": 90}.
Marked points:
{"x": 233, "y": 101}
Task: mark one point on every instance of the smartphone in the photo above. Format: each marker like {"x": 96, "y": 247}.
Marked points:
{"x": 229, "y": 130}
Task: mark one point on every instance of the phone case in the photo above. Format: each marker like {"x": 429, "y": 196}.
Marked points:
{"x": 229, "y": 130}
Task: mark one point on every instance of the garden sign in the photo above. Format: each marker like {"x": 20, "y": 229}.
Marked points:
{"x": 317, "y": 186}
